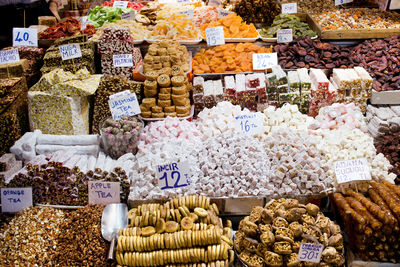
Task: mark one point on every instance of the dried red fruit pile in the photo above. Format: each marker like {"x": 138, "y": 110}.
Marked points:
{"x": 67, "y": 28}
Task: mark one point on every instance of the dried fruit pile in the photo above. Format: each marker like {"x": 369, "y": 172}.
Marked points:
{"x": 389, "y": 145}
{"x": 372, "y": 221}
{"x": 287, "y": 21}
{"x": 381, "y": 59}
{"x": 69, "y": 27}
{"x": 273, "y": 234}
{"x": 260, "y": 11}
{"x": 304, "y": 52}
{"x": 182, "y": 231}
{"x": 234, "y": 27}
{"x": 312, "y": 6}
{"x": 227, "y": 58}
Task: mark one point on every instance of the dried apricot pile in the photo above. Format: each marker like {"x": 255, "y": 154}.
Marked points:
{"x": 227, "y": 58}
{"x": 234, "y": 27}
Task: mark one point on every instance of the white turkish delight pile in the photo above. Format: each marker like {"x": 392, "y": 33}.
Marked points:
{"x": 145, "y": 184}
{"x": 286, "y": 117}
{"x": 233, "y": 166}
{"x": 168, "y": 130}
{"x": 296, "y": 163}
{"x": 219, "y": 119}
{"x": 347, "y": 144}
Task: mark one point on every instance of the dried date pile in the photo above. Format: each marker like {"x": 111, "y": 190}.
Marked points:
{"x": 257, "y": 11}
{"x": 307, "y": 53}
{"x": 381, "y": 58}
{"x": 389, "y": 145}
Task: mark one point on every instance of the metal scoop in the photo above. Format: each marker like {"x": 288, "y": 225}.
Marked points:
{"x": 115, "y": 217}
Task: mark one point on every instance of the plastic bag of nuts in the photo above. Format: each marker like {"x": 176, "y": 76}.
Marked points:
{"x": 119, "y": 137}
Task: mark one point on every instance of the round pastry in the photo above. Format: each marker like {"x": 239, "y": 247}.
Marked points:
{"x": 150, "y": 93}
{"x": 157, "y": 115}
{"x": 162, "y": 51}
{"x": 166, "y": 64}
{"x": 165, "y": 90}
{"x": 176, "y": 70}
{"x": 149, "y": 102}
{"x": 178, "y": 80}
{"x": 150, "y": 85}
{"x": 151, "y": 76}
{"x": 152, "y": 50}
{"x": 164, "y": 80}
{"x": 164, "y": 58}
{"x": 148, "y": 58}
{"x": 186, "y": 67}
{"x": 179, "y": 100}
{"x": 146, "y": 114}
{"x": 166, "y": 71}
{"x": 182, "y": 109}
{"x": 164, "y": 96}
{"x": 180, "y": 90}
{"x": 169, "y": 109}
{"x": 157, "y": 66}
{"x": 156, "y": 109}
{"x": 144, "y": 108}
{"x": 164, "y": 103}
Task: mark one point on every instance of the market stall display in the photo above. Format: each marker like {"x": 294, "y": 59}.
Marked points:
{"x": 138, "y": 31}
{"x": 273, "y": 234}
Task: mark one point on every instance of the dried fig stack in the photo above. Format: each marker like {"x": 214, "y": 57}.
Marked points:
{"x": 307, "y": 53}
{"x": 381, "y": 58}
{"x": 258, "y": 11}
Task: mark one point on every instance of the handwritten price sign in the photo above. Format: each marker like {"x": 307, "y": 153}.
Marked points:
{"x": 284, "y": 35}
{"x": 9, "y": 56}
{"x": 215, "y": 36}
{"x": 264, "y": 61}
{"x": 310, "y": 252}
{"x": 342, "y": 2}
{"x": 250, "y": 124}
{"x": 352, "y": 170}
{"x": 173, "y": 175}
{"x": 289, "y": 8}
{"x": 25, "y": 37}
{"x": 120, "y": 4}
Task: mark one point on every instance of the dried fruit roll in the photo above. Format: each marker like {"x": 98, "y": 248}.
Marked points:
{"x": 354, "y": 203}
{"x": 371, "y": 206}
{"x": 388, "y": 197}
{"x": 176, "y": 240}
{"x": 342, "y": 203}
{"x": 395, "y": 188}
{"x": 382, "y": 205}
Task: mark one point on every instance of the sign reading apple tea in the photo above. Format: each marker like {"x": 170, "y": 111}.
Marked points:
{"x": 103, "y": 193}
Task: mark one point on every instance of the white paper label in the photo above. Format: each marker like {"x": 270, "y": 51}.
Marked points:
{"x": 289, "y": 8}
{"x": 103, "y": 193}
{"x": 284, "y": 35}
{"x": 15, "y": 199}
{"x": 341, "y": 2}
{"x": 84, "y": 22}
{"x": 122, "y": 60}
{"x": 70, "y": 51}
{"x": 352, "y": 170}
{"x": 128, "y": 16}
{"x": 223, "y": 13}
{"x": 250, "y": 124}
{"x": 183, "y": 1}
{"x": 25, "y": 37}
{"x": 188, "y": 13}
{"x": 173, "y": 175}
{"x": 120, "y": 4}
{"x": 215, "y": 36}
{"x": 310, "y": 252}
{"x": 9, "y": 56}
{"x": 264, "y": 61}
{"x": 166, "y": 1}
{"x": 124, "y": 104}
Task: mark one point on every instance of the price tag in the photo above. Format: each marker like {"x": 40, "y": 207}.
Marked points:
{"x": 188, "y": 13}
{"x": 128, "y": 16}
{"x": 166, "y": 1}
{"x": 15, "y": 199}
{"x": 70, "y": 51}
{"x": 264, "y": 61}
{"x": 122, "y": 60}
{"x": 120, "y": 4}
{"x": 84, "y": 22}
{"x": 310, "y": 252}
{"x": 103, "y": 193}
{"x": 289, "y": 8}
{"x": 223, "y": 13}
{"x": 215, "y": 36}
{"x": 123, "y": 104}
{"x": 173, "y": 175}
{"x": 341, "y": 2}
{"x": 183, "y": 1}
{"x": 284, "y": 35}
{"x": 9, "y": 56}
{"x": 25, "y": 37}
{"x": 250, "y": 124}
{"x": 352, "y": 170}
